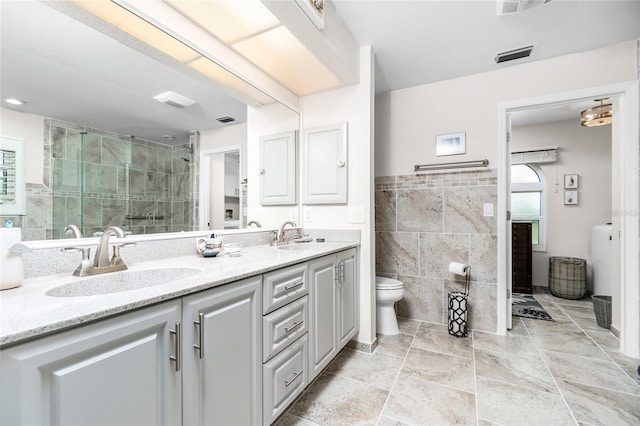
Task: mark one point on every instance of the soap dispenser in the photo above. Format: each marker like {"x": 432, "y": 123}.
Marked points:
{"x": 11, "y": 265}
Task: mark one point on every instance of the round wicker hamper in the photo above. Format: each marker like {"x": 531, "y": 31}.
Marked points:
{"x": 568, "y": 277}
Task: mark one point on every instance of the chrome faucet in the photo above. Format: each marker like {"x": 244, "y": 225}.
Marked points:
{"x": 77, "y": 233}
{"x": 101, "y": 262}
{"x": 102, "y": 259}
{"x": 283, "y": 232}
{"x": 254, "y": 222}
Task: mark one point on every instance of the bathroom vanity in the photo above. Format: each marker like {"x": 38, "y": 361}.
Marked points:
{"x": 233, "y": 343}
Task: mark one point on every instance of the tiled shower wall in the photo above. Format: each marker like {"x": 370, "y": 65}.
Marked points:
{"x": 425, "y": 221}
{"x": 143, "y": 186}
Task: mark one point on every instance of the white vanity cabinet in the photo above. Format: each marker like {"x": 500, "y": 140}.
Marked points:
{"x": 113, "y": 372}
{"x": 236, "y": 354}
{"x": 333, "y": 290}
{"x": 222, "y": 348}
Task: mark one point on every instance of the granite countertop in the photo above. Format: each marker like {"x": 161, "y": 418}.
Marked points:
{"x": 27, "y": 312}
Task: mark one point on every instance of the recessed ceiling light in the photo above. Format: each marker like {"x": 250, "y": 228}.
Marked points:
{"x": 167, "y": 137}
{"x": 225, "y": 119}
{"x": 14, "y": 101}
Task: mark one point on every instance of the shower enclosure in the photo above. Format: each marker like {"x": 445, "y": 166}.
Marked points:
{"x": 101, "y": 179}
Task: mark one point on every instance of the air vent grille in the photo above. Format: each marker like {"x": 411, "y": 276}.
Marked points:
{"x": 510, "y": 55}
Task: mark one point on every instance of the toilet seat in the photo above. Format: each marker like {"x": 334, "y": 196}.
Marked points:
{"x": 384, "y": 283}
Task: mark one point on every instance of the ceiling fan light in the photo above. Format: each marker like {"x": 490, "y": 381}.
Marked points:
{"x": 600, "y": 115}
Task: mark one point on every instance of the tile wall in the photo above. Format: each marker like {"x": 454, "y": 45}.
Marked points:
{"x": 425, "y": 221}
{"x": 100, "y": 179}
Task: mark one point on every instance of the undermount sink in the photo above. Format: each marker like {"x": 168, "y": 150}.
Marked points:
{"x": 294, "y": 246}
{"x": 117, "y": 282}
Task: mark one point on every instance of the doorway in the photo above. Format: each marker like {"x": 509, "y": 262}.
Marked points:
{"x": 221, "y": 194}
{"x": 625, "y": 201}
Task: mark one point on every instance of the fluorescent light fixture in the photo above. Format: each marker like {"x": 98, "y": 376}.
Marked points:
{"x": 174, "y": 99}
{"x": 228, "y": 20}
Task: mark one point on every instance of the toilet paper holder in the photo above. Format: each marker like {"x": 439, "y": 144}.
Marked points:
{"x": 457, "y": 306}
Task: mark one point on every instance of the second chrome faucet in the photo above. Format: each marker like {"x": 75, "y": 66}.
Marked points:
{"x": 102, "y": 263}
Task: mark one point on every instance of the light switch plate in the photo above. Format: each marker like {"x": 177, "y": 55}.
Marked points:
{"x": 488, "y": 209}
{"x": 307, "y": 214}
{"x": 357, "y": 214}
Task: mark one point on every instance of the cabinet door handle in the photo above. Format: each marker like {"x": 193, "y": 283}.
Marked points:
{"x": 178, "y": 345}
{"x": 342, "y": 271}
{"x": 294, "y": 326}
{"x": 292, "y": 286}
{"x": 295, "y": 376}
{"x": 200, "y": 345}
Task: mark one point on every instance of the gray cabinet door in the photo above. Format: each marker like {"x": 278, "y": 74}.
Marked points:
{"x": 222, "y": 350}
{"x": 114, "y": 372}
{"x": 347, "y": 286}
{"x": 323, "y": 313}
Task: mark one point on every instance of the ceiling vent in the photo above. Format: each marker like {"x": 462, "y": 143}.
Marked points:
{"x": 507, "y": 7}
{"x": 510, "y": 55}
{"x": 174, "y": 99}
{"x": 225, "y": 119}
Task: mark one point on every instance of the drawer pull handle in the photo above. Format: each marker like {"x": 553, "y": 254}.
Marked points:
{"x": 292, "y": 286}
{"x": 178, "y": 345}
{"x": 200, "y": 345}
{"x": 295, "y": 376}
{"x": 294, "y": 326}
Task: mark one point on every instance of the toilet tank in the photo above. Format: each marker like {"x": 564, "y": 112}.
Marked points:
{"x": 601, "y": 251}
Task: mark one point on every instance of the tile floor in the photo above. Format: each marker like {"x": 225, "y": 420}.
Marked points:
{"x": 565, "y": 372}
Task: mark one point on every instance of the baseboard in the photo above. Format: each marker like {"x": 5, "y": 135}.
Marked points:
{"x": 614, "y": 330}
{"x": 363, "y": 347}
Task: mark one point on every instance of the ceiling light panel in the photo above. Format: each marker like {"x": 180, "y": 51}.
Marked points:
{"x": 139, "y": 28}
{"x": 228, "y": 20}
{"x": 283, "y": 57}
{"x": 221, "y": 75}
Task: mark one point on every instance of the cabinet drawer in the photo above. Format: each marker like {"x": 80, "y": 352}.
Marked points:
{"x": 283, "y": 286}
{"x": 284, "y": 378}
{"x": 283, "y": 326}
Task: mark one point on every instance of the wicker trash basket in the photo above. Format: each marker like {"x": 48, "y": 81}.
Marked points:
{"x": 602, "y": 308}
{"x": 568, "y": 277}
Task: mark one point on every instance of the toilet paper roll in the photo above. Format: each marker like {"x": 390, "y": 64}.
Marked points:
{"x": 458, "y": 268}
{"x": 11, "y": 266}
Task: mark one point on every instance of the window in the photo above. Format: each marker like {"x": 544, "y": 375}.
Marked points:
{"x": 527, "y": 201}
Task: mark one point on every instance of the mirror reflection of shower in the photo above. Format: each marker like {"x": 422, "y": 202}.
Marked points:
{"x": 101, "y": 179}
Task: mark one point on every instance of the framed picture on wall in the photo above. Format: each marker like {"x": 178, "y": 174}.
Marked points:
{"x": 570, "y": 181}
{"x": 571, "y": 197}
{"x": 451, "y": 144}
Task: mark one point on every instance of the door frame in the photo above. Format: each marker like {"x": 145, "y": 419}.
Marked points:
{"x": 205, "y": 185}
{"x": 626, "y": 164}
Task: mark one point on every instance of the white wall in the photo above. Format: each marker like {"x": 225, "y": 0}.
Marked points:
{"x": 353, "y": 104}
{"x": 264, "y": 121}
{"x": 30, "y": 128}
{"x": 585, "y": 151}
{"x": 408, "y": 120}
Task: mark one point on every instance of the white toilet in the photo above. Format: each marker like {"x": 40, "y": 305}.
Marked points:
{"x": 388, "y": 292}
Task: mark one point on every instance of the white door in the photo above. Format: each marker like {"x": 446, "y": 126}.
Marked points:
{"x": 347, "y": 295}
{"x": 323, "y": 313}
{"x": 114, "y": 372}
{"x": 222, "y": 350}
{"x": 509, "y": 229}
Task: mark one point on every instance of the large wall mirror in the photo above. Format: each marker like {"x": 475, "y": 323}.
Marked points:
{"x": 100, "y": 150}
